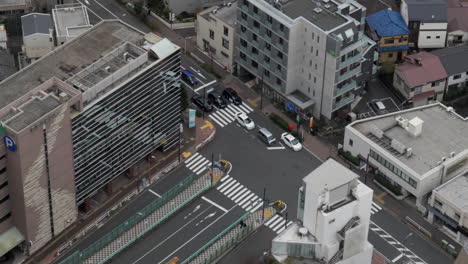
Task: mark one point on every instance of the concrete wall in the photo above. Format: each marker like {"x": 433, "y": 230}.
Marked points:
{"x": 432, "y": 35}
{"x": 191, "y": 6}
{"x": 37, "y": 45}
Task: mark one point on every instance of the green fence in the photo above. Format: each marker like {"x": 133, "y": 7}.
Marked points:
{"x": 79, "y": 256}
{"x": 226, "y": 245}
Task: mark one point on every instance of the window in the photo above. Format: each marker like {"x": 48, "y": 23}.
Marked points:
{"x": 278, "y": 81}
{"x": 310, "y": 63}
{"x": 331, "y": 221}
{"x": 438, "y": 203}
{"x": 456, "y": 216}
{"x": 254, "y": 50}
{"x": 254, "y": 37}
{"x": 458, "y": 76}
{"x": 224, "y": 54}
{"x": 268, "y": 32}
{"x": 267, "y": 59}
{"x": 315, "y": 66}
{"x": 225, "y": 43}
{"x": 242, "y": 56}
{"x": 269, "y": 19}
{"x": 243, "y": 29}
{"x": 388, "y": 41}
{"x": 3, "y": 184}
{"x": 266, "y": 72}
{"x": 393, "y": 169}
{"x": 246, "y": 3}
{"x": 280, "y": 55}
{"x": 268, "y": 46}
{"x": 278, "y": 67}
{"x": 211, "y": 34}
{"x": 5, "y": 217}
{"x": 434, "y": 84}
{"x": 255, "y": 9}
{"x": 318, "y": 39}
{"x": 313, "y": 35}
{"x": 281, "y": 27}
{"x": 243, "y": 43}
{"x": 315, "y": 79}
{"x": 437, "y": 37}
{"x": 351, "y": 142}
{"x": 243, "y": 16}
{"x": 256, "y": 24}
{"x": 254, "y": 64}
{"x": 310, "y": 76}
{"x": 390, "y": 55}
{"x": 316, "y": 52}
{"x": 280, "y": 41}
{"x": 428, "y": 37}
{"x": 226, "y": 31}
{"x": 4, "y": 198}
{"x": 2, "y": 170}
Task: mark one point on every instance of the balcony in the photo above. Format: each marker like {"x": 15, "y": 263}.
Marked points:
{"x": 245, "y": 8}
{"x": 376, "y": 56}
{"x": 344, "y": 102}
{"x": 346, "y": 88}
{"x": 348, "y": 74}
{"x": 350, "y": 61}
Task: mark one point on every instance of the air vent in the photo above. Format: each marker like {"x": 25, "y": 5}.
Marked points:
{"x": 452, "y": 154}
{"x": 376, "y": 131}
{"x": 317, "y": 10}
{"x": 326, "y": 5}
{"x": 398, "y": 146}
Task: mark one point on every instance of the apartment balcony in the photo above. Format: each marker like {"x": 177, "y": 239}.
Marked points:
{"x": 344, "y": 102}
{"x": 348, "y": 74}
{"x": 346, "y": 88}
{"x": 349, "y": 61}
{"x": 245, "y": 8}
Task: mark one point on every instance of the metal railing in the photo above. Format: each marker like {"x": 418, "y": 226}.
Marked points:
{"x": 79, "y": 256}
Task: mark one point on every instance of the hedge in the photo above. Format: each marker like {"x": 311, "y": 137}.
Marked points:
{"x": 279, "y": 121}
{"x": 350, "y": 157}
{"x": 396, "y": 189}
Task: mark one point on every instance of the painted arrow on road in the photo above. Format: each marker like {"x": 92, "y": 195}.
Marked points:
{"x": 194, "y": 210}
{"x": 206, "y": 217}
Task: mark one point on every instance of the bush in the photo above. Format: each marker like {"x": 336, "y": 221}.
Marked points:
{"x": 396, "y": 189}
{"x": 349, "y": 157}
{"x": 279, "y": 121}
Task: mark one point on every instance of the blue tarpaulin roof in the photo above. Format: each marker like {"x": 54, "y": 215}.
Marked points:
{"x": 387, "y": 23}
{"x": 393, "y": 48}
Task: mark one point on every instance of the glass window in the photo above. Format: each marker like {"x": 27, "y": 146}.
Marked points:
{"x": 280, "y": 55}
{"x": 256, "y": 24}
{"x": 226, "y": 30}
{"x": 278, "y": 81}
{"x": 254, "y": 37}
{"x": 243, "y": 16}
{"x": 280, "y": 41}
{"x": 243, "y": 29}
{"x": 268, "y": 46}
{"x": 269, "y": 19}
{"x": 211, "y": 34}
{"x": 254, "y": 64}
{"x": 225, "y": 43}
{"x": 255, "y": 9}
{"x": 266, "y": 72}
{"x": 281, "y": 27}
{"x": 246, "y": 3}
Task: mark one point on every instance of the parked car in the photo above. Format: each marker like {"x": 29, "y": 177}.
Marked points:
{"x": 291, "y": 141}
{"x": 266, "y": 136}
{"x": 215, "y": 98}
{"x": 245, "y": 121}
{"x": 231, "y": 96}
{"x": 189, "y": 78}
{"x": 202, "y": 103}
{"x": 378, "y": 106}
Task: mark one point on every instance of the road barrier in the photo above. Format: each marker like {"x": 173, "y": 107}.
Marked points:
{"x": 418, "y": 226}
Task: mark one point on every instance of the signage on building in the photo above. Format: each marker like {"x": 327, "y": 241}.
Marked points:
{"x": 291, "y": 108}
{"x": 191, "y": 117}
{"x": 2, "y": 130}
{"x": 9, "y": 143}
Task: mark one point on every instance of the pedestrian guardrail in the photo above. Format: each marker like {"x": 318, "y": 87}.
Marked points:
{"x": 81, "y": 256}
{"x": 418, "y": 226}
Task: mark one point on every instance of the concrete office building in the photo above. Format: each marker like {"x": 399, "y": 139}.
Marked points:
{"x": 448, "y": 206}
{"x": 70, "y": 21}
{"x": 216, "y": 28}
{"x": 310, "y": 53}
{"x": 74, "y": 121}
{"x": 334, "y": 210}
{"x": 414, "y": 150}
{"x": 37, "y": 35}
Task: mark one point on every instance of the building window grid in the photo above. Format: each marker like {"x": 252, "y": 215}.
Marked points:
{"x": 244, "y": 16}
{"x": 393, "y": 169}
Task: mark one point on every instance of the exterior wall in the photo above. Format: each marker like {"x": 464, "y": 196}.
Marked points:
{"x": 432, "y": 35}
{"x": 5, "y": 205}
{"x": 460, "y": 81}
{"x": 404, "y": 11}
{"x": 397, "y": 41}
{"x": 409, "y": 93}
{"x": 203, "y": 27}
{"x": 453, "y": 38}
{"x": 38, "y": 45}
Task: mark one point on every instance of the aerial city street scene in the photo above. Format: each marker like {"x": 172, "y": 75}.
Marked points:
{"x": 234, "y": 132}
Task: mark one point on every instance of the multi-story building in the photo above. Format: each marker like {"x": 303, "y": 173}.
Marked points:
{"x": 447, "y": 206}
{"x": 70, "y": 21}
{"x": 334, "y": 210}
{"x": 78, "y": 118}
{"x": 215, "y": 28}
{"x": 421, "y": 78}
{"x": 457, "y": 22}
{"x": 413, "y": 151}
{"x": 311, "y": 54}
{"x": 426, "y": 21}
{"x": 37, "y": 35}
{"x": 455, "y": 61}
{"x": 389, "y": 30}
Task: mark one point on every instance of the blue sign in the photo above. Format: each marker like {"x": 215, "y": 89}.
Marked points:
{"x": 9, "y": 143}
{"x": 291, "y": 107}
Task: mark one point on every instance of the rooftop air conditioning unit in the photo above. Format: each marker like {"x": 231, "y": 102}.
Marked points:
{"x": 125, "y": 56}
{"x": 317, "y": 10}
{"x": 444, "y": 159}
{"x": 376, "y": 131}
{"x": 107, "y": 68}
{"x": 452, "y": 154}
{"x": 449, "y": 109}
{"x": 398, "y": 146}
{"x": 403, "y": 122}
{"x": 326, "y": 5}
{"x": 415, "y": 126}
{"x": 409, "y": 152}
{"x": 229, "y": 4}
{"x": 63, "y": 96}
{"x": 214, "y": 11}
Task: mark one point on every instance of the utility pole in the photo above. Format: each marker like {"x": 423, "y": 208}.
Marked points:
{"x": 212, "y": 166}
{"x": 263, "y": 204}
{"x": 180, "y": 133}
{"x": 205, "y": 101}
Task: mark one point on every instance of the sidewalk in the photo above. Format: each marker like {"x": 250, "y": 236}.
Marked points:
{"x": 192, "y": 137}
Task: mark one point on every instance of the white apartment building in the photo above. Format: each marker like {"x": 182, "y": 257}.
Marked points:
{"x": 334, "y": 210}
{"x": 37, "y": 35}
{"x": 416, "y": 150}
{"x": 312, "y": 55}
{"x": 448, "y": 205}
{"x": 427, "y": 22}
{"x": 215, "y": 29}
{"x": 70, "y": 21}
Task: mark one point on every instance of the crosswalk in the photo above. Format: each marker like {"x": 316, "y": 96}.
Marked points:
{"x": 277, "y": 223}
{"x": 375, "y": 208}
{"x": 223, "y": 117}
{"x": 197, "y": 163}
{"x": 239, "y": 194}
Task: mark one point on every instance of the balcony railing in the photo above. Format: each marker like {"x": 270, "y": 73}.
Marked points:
{"x": 349, "y": 74}
{"x": 344, "y": 102}
{"x": 349, "y": 61}
{"x": 346, "y": 88}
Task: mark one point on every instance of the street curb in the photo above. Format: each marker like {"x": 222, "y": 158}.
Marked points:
{"x": 206, "y": 141}
{"x": 399, "y": 198}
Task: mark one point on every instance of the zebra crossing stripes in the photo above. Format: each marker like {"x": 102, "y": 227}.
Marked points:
{"x": 375, "y": 208}
{"x": 239, "y": 194}
{"x": 197, "y": 163}
{"x": 223, "y": 117}
{"x": 277, "y": 223}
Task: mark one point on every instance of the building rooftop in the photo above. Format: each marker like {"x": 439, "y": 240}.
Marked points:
{"x": 5, "y": 3}
{"x": 327, "y": 19}
{"x": 387, "y": 23}
{"x": 69, "y": 59}
{"x": 69, "y": 16}
{"x": 454, "y": 59}
{"x": 225, "y": 13}
{"x": 458, "y": 18}
{"x": 7, "y": 67}
{"x": 455, "y": 191}
{"x": 429, "y": 147}
{"x": 421, "y": 68}
{"x": 329, "y": 175}
{"x": 36, "y": 23}
{"x": 427, "y": 10}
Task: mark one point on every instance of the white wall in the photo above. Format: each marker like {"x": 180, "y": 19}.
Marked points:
{"x": 460, "y": 81}
{"x": 432, "y": 35}
{"x": 462, "y": 33}
{"x": 404, "y": 11}
{"x": 37, "y": 45}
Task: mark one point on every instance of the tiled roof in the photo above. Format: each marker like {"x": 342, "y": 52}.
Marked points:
{"x": 387, "y": 23}
{"x": 421, "y": 68}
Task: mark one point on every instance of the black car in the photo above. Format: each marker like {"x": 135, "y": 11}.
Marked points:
{"x": 202, "y": 103}
{"x": 216, "y": 99}
{"x": 231, "y": 96}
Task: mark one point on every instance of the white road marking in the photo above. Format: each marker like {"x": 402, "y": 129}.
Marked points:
{"x": 238, "y": 109}
{"x": 153, "y": 192}
{"x": 203, "y": 165}
{"x": 224, "y": 178}
{"x": 273, "y": 148}
{"x": 191, "y": 157}
{"x": 242, "y": 197}
{"x": 224, "y": 183}
{"x": 247, "y": 200}
{"x": 215, "y": 204}
{"x": 283, "y": 224}
{"x": 220, "y": 119}
{"x": 228, "y": 185}
{"x": 230, "y": 111}
{"x": 227, "y": 114}
{"x": 203, "y": 168}
{"x": 199, "y": 157}
{"x": 237, "y": 193}
{"x": 234, "y": 191}
{"x": 256, "y": 208}
{"x": 272, "y": 224}
{"x": 248, "y": 107}
{"x": 272, "y": 219}
{"x": 375, "y": 229}
{"x": 244, "y": 109}
{"x": 376, "y": 205}
{"x": 217, "y": 122}
{"x": 198, "y": 162}
{"x": 205, "y": 85}
{"x": 229, "y": 190}
{"x": 188, "y": 241}
{"x": 222, "y": 116}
